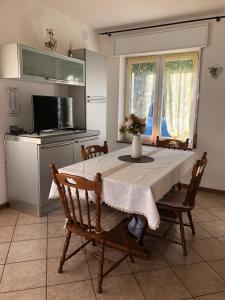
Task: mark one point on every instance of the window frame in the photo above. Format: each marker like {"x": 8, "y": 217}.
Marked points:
{"x": 157, "y": 114}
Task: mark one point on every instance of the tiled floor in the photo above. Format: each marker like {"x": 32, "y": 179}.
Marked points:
{"x": 30, "y": 250}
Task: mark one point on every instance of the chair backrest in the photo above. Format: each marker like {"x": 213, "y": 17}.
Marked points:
{"x": 77, "y": 210}
{"x": 197, "y": 173}
{"x": 172, "y": 144}
{"x": 93, "y": 151}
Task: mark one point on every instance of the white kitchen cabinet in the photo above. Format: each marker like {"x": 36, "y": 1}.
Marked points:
{"x": 19, "y": 61}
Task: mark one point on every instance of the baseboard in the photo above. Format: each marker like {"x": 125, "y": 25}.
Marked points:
{"x": 205, "y": 189}
{"x": 4, "y": 205}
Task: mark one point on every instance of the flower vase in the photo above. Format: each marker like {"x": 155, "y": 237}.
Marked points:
{"x": 136, "y": 150}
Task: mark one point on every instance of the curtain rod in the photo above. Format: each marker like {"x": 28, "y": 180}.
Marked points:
{"x": 109, "y": 33}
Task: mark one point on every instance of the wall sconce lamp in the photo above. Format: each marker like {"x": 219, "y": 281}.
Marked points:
{"x": 215, "y": 71}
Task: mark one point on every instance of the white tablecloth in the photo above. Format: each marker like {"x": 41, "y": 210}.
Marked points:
{"x": 135, "y": 187}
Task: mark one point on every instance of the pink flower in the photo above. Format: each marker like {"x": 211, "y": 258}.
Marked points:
{"x": 129, "y": 122}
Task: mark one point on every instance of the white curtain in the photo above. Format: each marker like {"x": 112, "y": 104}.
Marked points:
{"x": 141, "y": 85}
{"x": 179, "y": 92}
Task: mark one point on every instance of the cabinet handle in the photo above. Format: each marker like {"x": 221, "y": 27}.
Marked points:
{"x": 56, "y": 145}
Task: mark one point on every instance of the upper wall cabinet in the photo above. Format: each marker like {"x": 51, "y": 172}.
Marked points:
{"x": 18, "y": 61}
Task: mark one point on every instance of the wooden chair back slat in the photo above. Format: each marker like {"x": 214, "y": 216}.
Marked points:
{"x": 76, "y": 208}
{"x": 72, "y": 205}
{"x": 172, "y": 144}
{"x": 93, "y": 151}
{"x": 88, "y": 209}
{"x": 197, "y": 173}
{"x": 79, "y": 208}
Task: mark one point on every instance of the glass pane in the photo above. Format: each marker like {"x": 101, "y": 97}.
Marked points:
{"x": 179, "y": 82}
{"x": 37, "y": 64}
{"x": 69, "y": 71}
{"x": 142, "y": 92}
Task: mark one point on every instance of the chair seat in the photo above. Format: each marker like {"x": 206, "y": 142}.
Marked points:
{"x": 173, "y": 200}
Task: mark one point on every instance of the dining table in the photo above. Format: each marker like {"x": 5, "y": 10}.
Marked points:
{"x": 131, "y": 186}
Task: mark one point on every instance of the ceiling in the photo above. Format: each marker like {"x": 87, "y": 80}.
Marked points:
{"x": 115, "y": 13}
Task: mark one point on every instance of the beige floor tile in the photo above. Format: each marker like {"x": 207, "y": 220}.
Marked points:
{"x": 217, "y": 296}
{"x": 219, "y": 267}
{"x": 32, "y": 294}
{"x": 56, "y": 229}
{"x": 208, "y": 200}
{"x": 209, "y": 249}
{"x": 6, "y": 234}
{"x": 200, "y": 233}
{"x": 8, "y": 212}
{"x": 162, "y": 284}
{"x": 30, "y": 232}
{"x": 24, "y": 219}
{"x": 114, "y": 255}
{"x": 82, "y": 290}
{"x": 222, "y": 239}
{"x": 75, "y": 269}
{"x": 122, "y": 287}
{"x": 174, "y": 255}
{"x": 200, "y": 279}
{"x": 202, "y": 215}
{"x": 216, "y": 228}
{"x": 27, "y": 250}
{"x": 8, "y": 220}
{"x": 219, "y": 212}
{"x": 24, "y": 275}
{"x": 55, "y": 245}
{"x": 57, "y": 215}
{"x": 156, "y": 261}
{"x": 4, "y": 248}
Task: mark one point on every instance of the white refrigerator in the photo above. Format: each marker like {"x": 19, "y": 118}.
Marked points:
{"x": 95, "y": 90}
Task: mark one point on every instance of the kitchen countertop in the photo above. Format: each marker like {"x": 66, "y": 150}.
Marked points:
{"x": 52, "y": 137}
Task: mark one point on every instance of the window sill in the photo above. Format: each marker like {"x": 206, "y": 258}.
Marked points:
{"x": 144, "y": 143}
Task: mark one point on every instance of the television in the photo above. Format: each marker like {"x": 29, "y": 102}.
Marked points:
{"x": 52, "y": 113}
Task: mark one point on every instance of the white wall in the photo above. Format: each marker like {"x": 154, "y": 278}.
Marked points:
{"x": 211, "y": 119}
{"x": 25, "y": 21}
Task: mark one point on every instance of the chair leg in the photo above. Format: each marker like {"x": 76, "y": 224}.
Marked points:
{"x": 179, "y": 186}
{"x": 101, "y": 265}
{"x": 191, "y": 222}
{"x": 182, "y": 233}
{"x": 65, "y": 248}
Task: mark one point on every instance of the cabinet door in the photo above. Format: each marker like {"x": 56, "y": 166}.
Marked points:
{"x": 51, "y": 67}
{"x": 69, "y": 71}
{"x": 36, "y": 64}
{"x": 86, "y": 143}
{"x": 59, "y": 154}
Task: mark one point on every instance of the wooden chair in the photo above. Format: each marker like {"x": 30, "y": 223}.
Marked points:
{"x": 93, "y": 151}
{"x": 172, "y": 144}
{"x": 172, "y": 207}
{"x": 84, "y": 220}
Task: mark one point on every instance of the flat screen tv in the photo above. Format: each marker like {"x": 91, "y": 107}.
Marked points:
{"x": 52, "y": 113}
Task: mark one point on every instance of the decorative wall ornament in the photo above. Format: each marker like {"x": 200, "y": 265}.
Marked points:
{"x": 215, "y": 71}
{"x": 71, "y": 46}
{"x": 51, "y": 42}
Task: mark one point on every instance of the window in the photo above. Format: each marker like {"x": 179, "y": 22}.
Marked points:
{"x": 163, "y": 89}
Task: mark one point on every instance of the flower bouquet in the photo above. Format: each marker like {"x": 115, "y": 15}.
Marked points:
{"x": 136, "y": 127}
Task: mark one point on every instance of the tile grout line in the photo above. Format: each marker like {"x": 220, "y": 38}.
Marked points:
{"x": 3, "y": 270}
